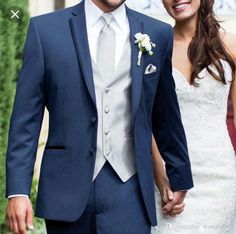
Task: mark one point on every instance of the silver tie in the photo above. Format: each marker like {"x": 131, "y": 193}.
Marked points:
{"x": 106, "y": 49}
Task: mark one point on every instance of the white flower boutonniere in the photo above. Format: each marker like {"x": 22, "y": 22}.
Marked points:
{"x": 144, "y": 45}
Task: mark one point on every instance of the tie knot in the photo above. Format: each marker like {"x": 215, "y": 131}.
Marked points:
{"x": 107, "y": 19}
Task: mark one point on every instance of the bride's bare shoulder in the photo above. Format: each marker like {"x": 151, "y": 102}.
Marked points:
{"x": 229, "y": 40}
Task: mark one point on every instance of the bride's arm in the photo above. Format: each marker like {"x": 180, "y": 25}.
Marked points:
{"x": 160, "y": 175}
{"x": 233, "y": 87}
{"x": 233, "y": 97}
{"x": 162, "y": 181}
{"x": 229, "y": 40}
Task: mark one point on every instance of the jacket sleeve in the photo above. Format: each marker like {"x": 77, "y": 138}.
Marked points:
{"x": 168, "y": 129}
{"x": 26, "y": 117}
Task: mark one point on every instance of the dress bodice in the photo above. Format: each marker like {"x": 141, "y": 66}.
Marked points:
{"x": 204, "y": 108}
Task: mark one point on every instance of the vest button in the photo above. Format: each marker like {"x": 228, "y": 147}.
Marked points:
{"x": 106, "y": 132}
{"x": 107, "y": 153}
{"x": 107, "y": 110}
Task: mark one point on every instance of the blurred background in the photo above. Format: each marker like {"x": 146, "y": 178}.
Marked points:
{"x": 12, "y": 36}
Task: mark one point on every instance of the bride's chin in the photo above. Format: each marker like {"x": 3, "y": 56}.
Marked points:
{"x": 182, "y": 18}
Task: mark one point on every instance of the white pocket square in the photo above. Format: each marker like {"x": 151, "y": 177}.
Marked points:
{"x": 150, "y": 69}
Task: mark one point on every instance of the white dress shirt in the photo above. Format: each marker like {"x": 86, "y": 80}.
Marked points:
{"x": 94, "y": 25}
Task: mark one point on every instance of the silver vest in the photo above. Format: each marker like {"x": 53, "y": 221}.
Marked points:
{"x": 114, "y": 139}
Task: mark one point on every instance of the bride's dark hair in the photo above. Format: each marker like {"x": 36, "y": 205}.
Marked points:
{"x": 206, "y": 47}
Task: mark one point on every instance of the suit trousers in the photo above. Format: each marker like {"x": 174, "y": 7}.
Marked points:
{"x": 113, "y": 207}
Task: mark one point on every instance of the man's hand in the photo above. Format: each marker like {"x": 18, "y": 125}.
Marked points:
{"x": 19, "y": 215}
{"x": 176, "y": 205}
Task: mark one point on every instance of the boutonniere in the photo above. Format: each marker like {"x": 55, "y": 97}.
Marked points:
{"x": 144, "y": 45}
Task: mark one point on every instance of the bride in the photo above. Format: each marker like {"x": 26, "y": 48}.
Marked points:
{"x": 204, "y": 72}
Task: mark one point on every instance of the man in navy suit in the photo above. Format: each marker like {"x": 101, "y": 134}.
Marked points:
{"x": 104, "y": 104}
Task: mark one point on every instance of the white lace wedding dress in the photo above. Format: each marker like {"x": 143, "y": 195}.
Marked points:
{"x": 211, "y": 204}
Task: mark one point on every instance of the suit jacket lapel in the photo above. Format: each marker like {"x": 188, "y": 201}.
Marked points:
{"x": 136, "y": 26}
{"x": 80, "y": 39}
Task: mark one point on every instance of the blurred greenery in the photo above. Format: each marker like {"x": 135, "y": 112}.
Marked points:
{"x": 39, "y": 226}
{"x": 12, "y": 37}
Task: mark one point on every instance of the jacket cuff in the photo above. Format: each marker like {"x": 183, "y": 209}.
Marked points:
{"x": 180, "y": 178}
{"x": 17, "y": 187}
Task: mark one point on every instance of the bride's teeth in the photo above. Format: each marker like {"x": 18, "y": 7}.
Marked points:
{"x": 180, "y": 6}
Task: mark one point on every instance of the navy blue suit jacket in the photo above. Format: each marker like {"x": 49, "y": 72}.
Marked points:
{"x": 57, "y": 74}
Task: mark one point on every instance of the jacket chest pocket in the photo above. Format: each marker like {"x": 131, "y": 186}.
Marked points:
{"x": 151, "y": 77}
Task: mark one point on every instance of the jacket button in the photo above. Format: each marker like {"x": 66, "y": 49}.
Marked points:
{"x": 91, "y": 151}
{"x": 94, "y": 120}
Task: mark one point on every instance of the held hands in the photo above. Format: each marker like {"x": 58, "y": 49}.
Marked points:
{"x": 19, "y": 215}
{"x": 174, "y": 203}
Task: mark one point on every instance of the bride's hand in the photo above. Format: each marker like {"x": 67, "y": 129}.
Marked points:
{"x": 167, "y": 196}
{"x": 164, "y": 188}
{"x": 176, "y": 206}
{"x": 162, "y": 182}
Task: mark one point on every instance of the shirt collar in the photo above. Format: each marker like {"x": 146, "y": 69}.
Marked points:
{"x": 93, "y": 14}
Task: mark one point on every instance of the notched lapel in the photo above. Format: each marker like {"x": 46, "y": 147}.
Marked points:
{"x": 80, "y": 39}
{"x": 136, "y": 26}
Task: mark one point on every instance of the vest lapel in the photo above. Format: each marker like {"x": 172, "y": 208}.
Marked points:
{"x": 80, "y": 39}
{"x": 136, "y": 26}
